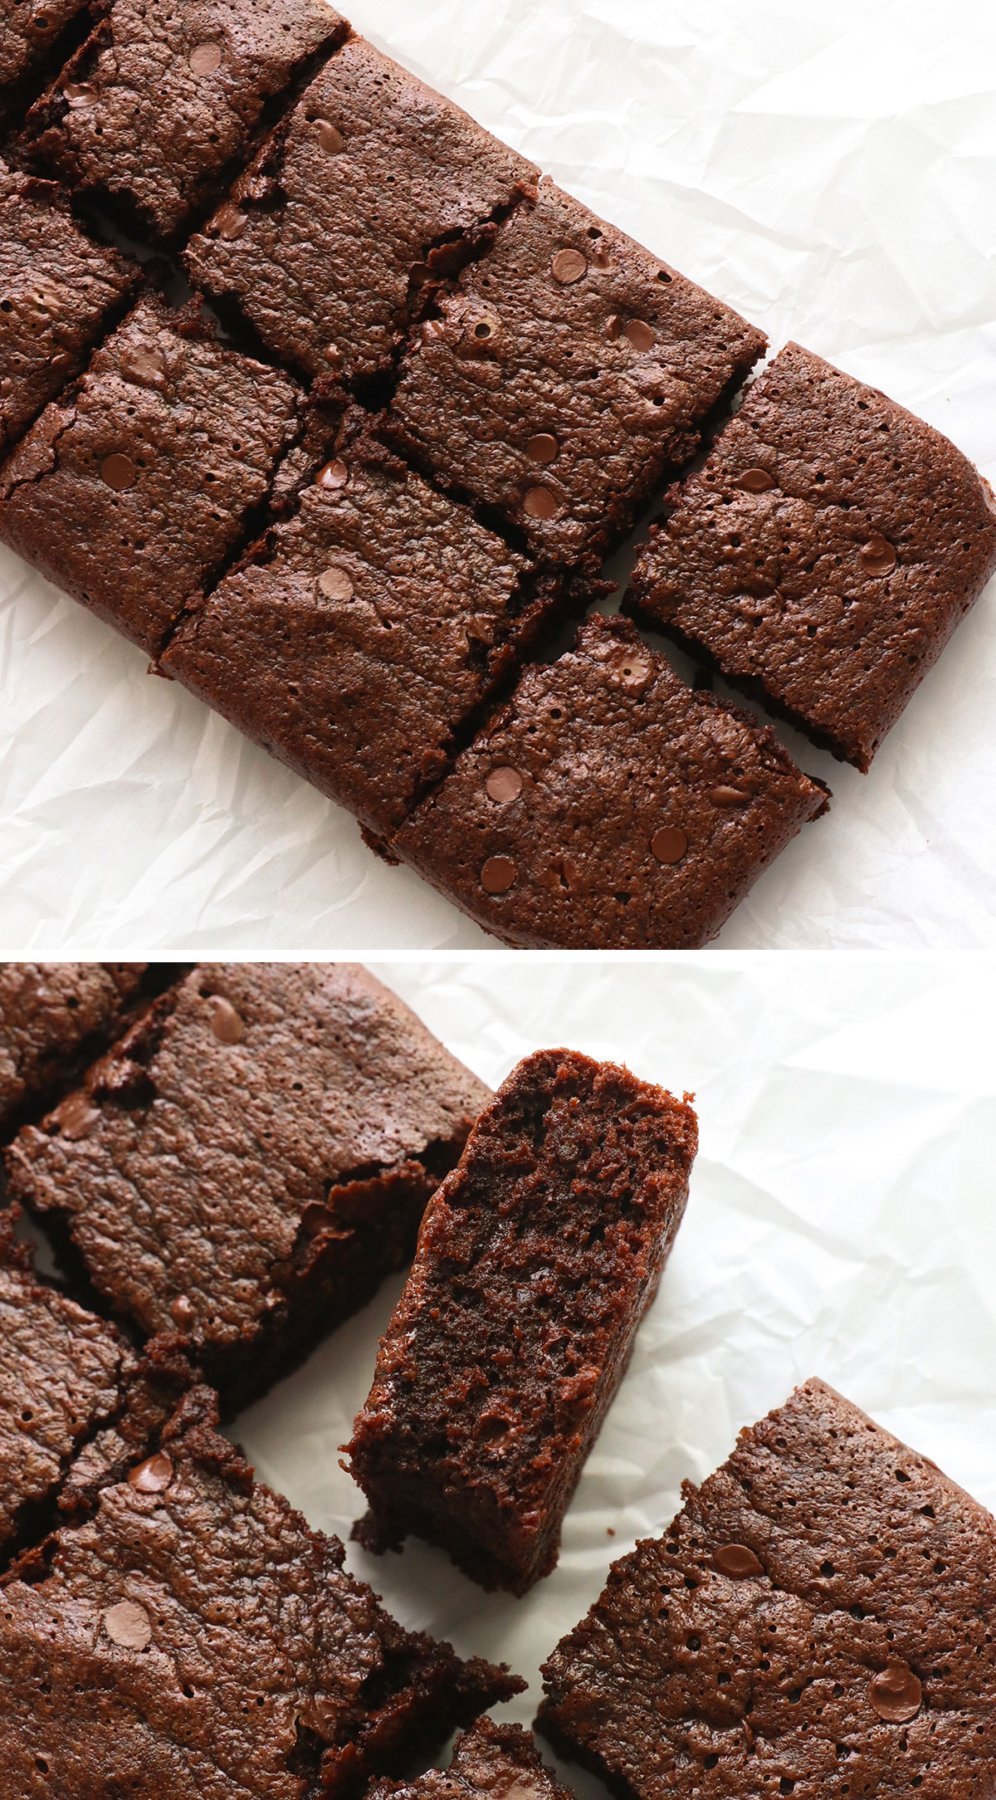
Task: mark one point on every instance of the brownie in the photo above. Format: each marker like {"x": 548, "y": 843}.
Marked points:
{"x": 373, "y": 187}
{"x": 251, "y": 1159}
{"x": 62, "y": 1374}
{"x": 490, "y": 1762}
{"x": 364, "y": 632}
{"x": 537, "y": 1258}
{"x": 823, "y": 555}
{"x": 195, "y": 1639}
{"x": 53, "y": 1018}
{"x": 566, "y": 375}
{"x": 160, "y": 101}
{"x": 134, "y": 488}
{"x": 817, "y": 1622}
{"x": 59, "y": 290}
{"x": 608, "y": 806}
{"x": 34, "y": 34}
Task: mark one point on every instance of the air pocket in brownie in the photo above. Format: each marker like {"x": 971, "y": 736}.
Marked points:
{"x": 490, "y": 1762}
{"x": 823, "y": 555}
{"x": 536, "y": 1261}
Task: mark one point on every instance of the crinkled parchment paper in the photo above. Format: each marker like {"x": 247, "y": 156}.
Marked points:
{"x": 829, "y": 170}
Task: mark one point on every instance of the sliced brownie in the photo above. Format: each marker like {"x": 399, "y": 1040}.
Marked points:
{"x": 372, "y": 187}
{"x": 132, "y": 490}
{"x": 816, "y": 1622}
{"x": 252, "y": 1158}
{"x": 53, "y": 1018}
{"x": 490, "y": 1762}
{"x": 161, "y": 99}
{"x": 566, "y": 375}
{"x": 194, "y": 1639}
{"x": 34, "y": 35}
{"x": 364, "y": 631}
{"x": 823, "y": 555}
{"x": 536, "y": 1261}
{"x": 608, "y": 806}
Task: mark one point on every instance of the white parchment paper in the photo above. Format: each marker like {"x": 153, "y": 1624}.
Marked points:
{"x": 840, "y": 1224}
{"x": 831, "y": 170}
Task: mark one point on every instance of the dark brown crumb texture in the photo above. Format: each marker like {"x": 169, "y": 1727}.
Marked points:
{"x": 54, "y": 1017}
{"x": 490, "y": 1762}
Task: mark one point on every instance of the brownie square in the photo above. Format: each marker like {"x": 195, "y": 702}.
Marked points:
{"x": 251, "y": 1159}
{"x": 816, "y": 1622}
{"x": 161, "y": 100}
{"x": 372, "y": 187}
{"x": 54, "y": 1017}
{"x": 34, "y": 34}
{"x": 133, "y": 489}
{"x": 194, "y": 1639}
{"x": 364, "y": 632}
{"x": 537, "y": 1259}
{"x": 823, "y": 555}
{"x": 490, "y": 1762}
{"x": 566, "y": 375}
{"x": 608, "y": 806}
{"x": 58, "y": 291}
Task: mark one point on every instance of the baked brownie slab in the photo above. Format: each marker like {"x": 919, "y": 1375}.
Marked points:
{"x": 162, "y": 98}
{"x": 195, "y": 1639}
{"x": 568, "y": 372}
{"x": 252, "y": 1158}
{"x": 608, "y": 806}
{"x": 372, "y": 187}
{"x": 536, "y": 1261}
{"x": 132, "y": 490}
{"x": 33, "y": 35}
{"x": 53, "y": 1018}
{"x": 364, "y": 632}
{"x": 824, "y": 554}
{"x": 816, "y": 1622}
{"x": 58, "y": 290}
{"x": 490, "y": 1762}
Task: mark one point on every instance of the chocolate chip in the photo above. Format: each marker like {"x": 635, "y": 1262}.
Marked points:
{"x": 229, "y": 222}
{"x": 334, "y": 475}
{"x": 614, "y": 326}
{"x": 757, "y": 481}
{"x": 896, "y": 1694}
{"x": 205, "y": 58}
{"x": 335, "y": 583}
{"x": 330, "y": 138}
{"x": 228, "y": 1025}
{"x": 728, "y": 796}
{"x": 737, "y": 1561}
{"x": 641, "y": 335}
{"x": 75, "y": 1117}
{"x": 78, "y": 93}
{"x": 669, "y": 844}
{"x": 118, "y": 471}
{"x": 145, "y": 366}
{"x": 182, "y": 1311}
{"x": 543, "y": 448}
{"x": 878, "y": 556}
{"x": 568, "y": 266}
{"x": 153, "y": 1475}
{"x": 129, "y": 1625}
{"x": 503, "y": 784}
{"x": 540, "y": 503}
{"x": 498, "y": 875}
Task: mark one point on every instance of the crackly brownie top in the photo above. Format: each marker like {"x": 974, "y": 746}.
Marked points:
{"x": 607, "y": 805}
{"x": 366, "y": 630}
{"x": 48, "y": 1011}
{"x": 195, "y": 1639}
{"x": 496, "y": 1762}
{"x": 239, "y": 1116}
{"x": 374, "y": 184}
{"x": 828, "y": 547}
{"x": 29, "y": 32}
{"x": 566, "y": 373}
{"x": 132, "y": 488}
{"x": 57, "y": 288}
{"x": 165, "y": 93}
{"x": 816, "y": 1622}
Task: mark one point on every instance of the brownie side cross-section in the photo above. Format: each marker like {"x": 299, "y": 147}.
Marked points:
{"x": 364, "y": 632}
{"x": 132, "y": 490}
{"x": 823, "y": 555}
{"x": 536, "y": 1261}
{"x": 195, "y": 1639}
{"x": 373, "y": 187}
{"x": 54, "y": 1017}
{"x": 817, "y": 1621}
{"x": 607, "y": 805}
{"x": 165, "y": 95}
{"x": 252, "y": 1158}
{"x": 566, "y": 375}
{"x": 490, "y": 1762}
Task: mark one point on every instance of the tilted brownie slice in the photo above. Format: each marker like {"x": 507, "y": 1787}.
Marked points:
{"x": 364, "y": 632}
{"x": 133, "y": 489}
{"x": 54, "y": 1018}
{"x": 59, "y": 290}
{"x": 816, "y": 1622}
{"x": 823, "y": 555}
{"x": 568, "y": 373}
{"x": 252, "y": 1158}
{"x": 34, "y": 36}
{"x": 372, "y": 187}
{"x": 490, "y": 1762}
{"x": 195, "y": 1639}
{"x": 161, "y": 100}
{"x": 536, "y": 1261}
{"x": 608, "y": 806}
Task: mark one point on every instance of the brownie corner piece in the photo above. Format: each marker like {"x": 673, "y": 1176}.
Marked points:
{"x": 35, "y": 36}
{"x": 608, "y": 805}
{"x": 823, "y": 555}
{"x": 491, "y": 1761}
{"x": 54, "y": 1017}
{"x": 537, "y": 1259}
{"x": 816, "y": 1621}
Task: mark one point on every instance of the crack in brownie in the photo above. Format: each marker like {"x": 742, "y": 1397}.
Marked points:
{"x": 823, "y": 555}
{"x": 490, "y": 1762}
{"x": 54, "y": 1018}
{"x": 251, "y": 1159}
{"x": 369, "y": 191}
{"x": 195, "y": 1639}
{"x": 816, "y": 1622}
{"x": 34, "y": 35}
{"x": 608, "y": 806}
{"x": 537, "y": 1259}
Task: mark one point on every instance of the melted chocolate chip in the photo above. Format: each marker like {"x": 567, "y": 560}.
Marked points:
{"x": 757, "y": 481}
{"x": 737, "y": 1561}
{"x": 118, "y": 471}
{"x": 728, "y": 796}
{"x": 896, "y": 1694}
{"x": 145, "y": 366}
{"x": 153, "y": 1475}
{"x": 75, "y": 1117}
{"x": 129, "y": 1625}
{"x": 229, "y": 221}
{"x": 205, "y": 58}
{"x": 503, "y": 784}
{"x": 77, "y": 93}
{"x": 568, "y": 266}
{"x": 330, "y": 138}
{"x": 498, "y": 875}
{"x": 543, "y": 448}
{"x": 669, "y": 844}
{"x": 334, "y": 475}
{"x": 540, "y": 503}
{"x": 228, "y": 1025}
{"x": 182, "y": 1311}
{"x": 878, "y": 556}
{"x": 641, "y": 335}
{"x": 335, "y": 584}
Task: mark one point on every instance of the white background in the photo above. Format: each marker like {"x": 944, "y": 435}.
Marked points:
{"x": 841, "y": 1224}
{"x": 831, "y": 170}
